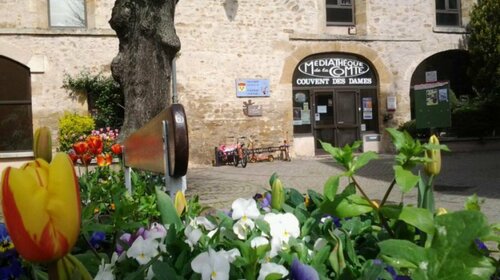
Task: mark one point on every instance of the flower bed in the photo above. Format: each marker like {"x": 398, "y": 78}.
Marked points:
{"x": 279, "y": 234}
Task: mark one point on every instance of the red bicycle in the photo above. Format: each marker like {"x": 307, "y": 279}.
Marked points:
{"x": 235, "y": 154}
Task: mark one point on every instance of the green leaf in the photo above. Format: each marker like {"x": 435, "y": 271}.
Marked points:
{"x": 419, "y": 218}
{"x": 391, "y": 211}
{"x": 163, "y": 270}
{"x": 336, "y": 258}
{"x": 452, "y": 253}
{"x": 167, "y": 209}
{"x": 363, "y": 159}
{"x": 405, "y": 179}
{"x": 263, "y": 226}
{"x": 473, "y": 203}
{"x": 274, "y": 276}
{"x": 295, "y": 198}
{"x": 334, "y": 151}
{"x": 351, "y": 206}
{"x": 331, "y": 186}
{"x": 403, "y": 252}
{"x": 398, "y": 138}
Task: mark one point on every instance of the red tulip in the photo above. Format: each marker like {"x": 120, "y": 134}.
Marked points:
{"x": 41, "y": 206}
{"x": 104, "y": 160}
{"x": 86, "y": 159}
{"x": 80, "y": 148}
{"x": 116, "y": 149}
{"x": 95, "y": 144}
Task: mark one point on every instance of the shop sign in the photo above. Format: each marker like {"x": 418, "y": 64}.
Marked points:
{"x": 331, "y": 70}
{"x": 252, "y": 88}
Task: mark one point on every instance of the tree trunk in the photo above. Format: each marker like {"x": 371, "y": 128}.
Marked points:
{"x": 143, "y": 66}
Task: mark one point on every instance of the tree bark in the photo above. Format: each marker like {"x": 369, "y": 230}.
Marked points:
{"x": 143, "y": 66}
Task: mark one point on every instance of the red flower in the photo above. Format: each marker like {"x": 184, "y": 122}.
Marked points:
{"x": 80, "y": 148}
{"x": 104, "y": 160}
{"x": 116, "y": 149}
{"x": 74, "y": 157}
{"x": 95, "y": 144}
{"x": 86, "y": 159}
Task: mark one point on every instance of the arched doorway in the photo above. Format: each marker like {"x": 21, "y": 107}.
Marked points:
{"x": 16, "y": 125}
{"x": 334, "y": 98}
{"x": 450, "y": 66}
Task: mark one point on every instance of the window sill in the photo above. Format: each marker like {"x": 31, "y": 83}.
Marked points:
{"x": 59, "y": 31}
{"x": 449, "y": 29}
{"x": 7, "y": 155}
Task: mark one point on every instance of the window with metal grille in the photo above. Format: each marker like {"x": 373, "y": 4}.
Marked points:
{"x": 448, "y": 13}
{"x": 16, "y": 128}
{"x": 339, "y": 12}
{"x": 67, "y": 13}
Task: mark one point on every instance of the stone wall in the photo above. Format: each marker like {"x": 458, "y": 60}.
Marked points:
{"x": 223, "y": 40}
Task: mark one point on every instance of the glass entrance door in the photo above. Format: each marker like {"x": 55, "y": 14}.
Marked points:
{"x": 336, "y": 117}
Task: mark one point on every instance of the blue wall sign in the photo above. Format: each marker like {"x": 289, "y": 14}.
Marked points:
{"x": 252, "y": 88}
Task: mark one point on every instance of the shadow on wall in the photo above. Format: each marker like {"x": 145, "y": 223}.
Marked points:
{"x": 231, "y": 7}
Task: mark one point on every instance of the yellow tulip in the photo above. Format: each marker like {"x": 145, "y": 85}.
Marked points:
{"x": 180, "y": 202}
{"x": 41, "y": 206}
{"x": 434, "y": 167}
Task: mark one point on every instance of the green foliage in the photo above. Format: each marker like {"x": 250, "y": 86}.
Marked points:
{"x": 340, "y": 234}
{"x": 103, "y": 94}
{"x": 71, "y": 127}
{"x": 483, "y": 44}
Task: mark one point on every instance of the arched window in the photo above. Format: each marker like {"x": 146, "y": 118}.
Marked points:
{"x": 16, "y": 128}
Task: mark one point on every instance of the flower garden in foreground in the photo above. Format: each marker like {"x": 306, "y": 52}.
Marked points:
{"x": 62, "y": 224}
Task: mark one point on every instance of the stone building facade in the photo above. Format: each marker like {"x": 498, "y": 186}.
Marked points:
{"x": 307, "y": 76}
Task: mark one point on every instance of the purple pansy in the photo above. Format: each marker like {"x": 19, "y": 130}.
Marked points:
{"x": 300, "y": 271}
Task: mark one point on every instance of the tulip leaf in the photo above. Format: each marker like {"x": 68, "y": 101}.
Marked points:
{"x": 167, "y": 210}
{"x": 331, "y": 186}
{"x": 405, "y": 179}
{"x": 363, "y": 159}
{"x": 451, "y": 253}
{"x": 398, "y": 138}
{"x": 351, "y": 206}
{"x": 418, "y": 217}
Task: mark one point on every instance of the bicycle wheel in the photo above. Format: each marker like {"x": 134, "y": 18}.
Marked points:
{"x": 235, "y": 159}
{"x": 244, "y": 160}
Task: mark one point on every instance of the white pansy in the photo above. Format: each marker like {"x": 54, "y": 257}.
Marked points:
{"x": 270, "y": 268}
{"x": 259, "y": 241}
{"x": 242, "y": 227}
{"x": 193, "y": 235}
{"x": 231, "y": 254}
{"x": 212, "y": 265}
{"x": 282, "y": 228}
{"x": 156, "y": 231}
{"x": 143, "y": 250}
{"x": 106, "y": 270}
{"x": 205, "y": 223}
{"x": 245, "y": 209}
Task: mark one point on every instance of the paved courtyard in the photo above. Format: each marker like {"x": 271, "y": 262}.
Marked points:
{"x": 463, "y": 174}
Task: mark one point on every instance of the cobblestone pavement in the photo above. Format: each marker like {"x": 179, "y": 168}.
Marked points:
{"x": 462, "y": 174}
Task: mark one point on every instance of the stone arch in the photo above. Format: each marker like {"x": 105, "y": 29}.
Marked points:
{"x": 301, "y": 52}
{"x": 13, "y": 52}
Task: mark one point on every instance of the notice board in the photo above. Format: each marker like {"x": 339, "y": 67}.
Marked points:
{"x": 432, "y": 105}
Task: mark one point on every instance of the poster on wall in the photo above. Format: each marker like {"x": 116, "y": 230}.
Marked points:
{"x": 305, "y": 117}
{"x": 367, "y": 108}
{"x": 252, "y": 88}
